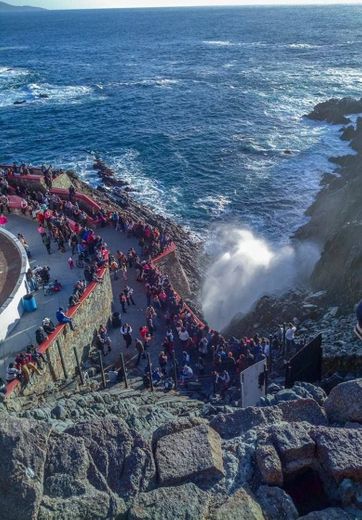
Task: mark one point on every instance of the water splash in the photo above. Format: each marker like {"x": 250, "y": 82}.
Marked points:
{"x": 246, "y": 267}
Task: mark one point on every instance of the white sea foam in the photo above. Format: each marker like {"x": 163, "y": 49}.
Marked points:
{"x": 219, "y": 43}
{"x": 247, "y": 267}
{"x": 214, "y": 205}
{"x": 44, "y": 93}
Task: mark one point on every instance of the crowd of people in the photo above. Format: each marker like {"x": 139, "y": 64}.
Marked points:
{"x": 189, "y": 348}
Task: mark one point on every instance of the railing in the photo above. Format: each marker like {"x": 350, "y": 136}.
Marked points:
{"x": 171, "y": 249}
{"x": 10, "y": 387}
{"x": 90, "y": 288}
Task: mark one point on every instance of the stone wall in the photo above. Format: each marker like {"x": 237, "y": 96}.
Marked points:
{"x": 95, "y": 309}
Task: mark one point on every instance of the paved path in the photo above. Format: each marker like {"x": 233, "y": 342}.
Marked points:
{"x": 24, "y": 332}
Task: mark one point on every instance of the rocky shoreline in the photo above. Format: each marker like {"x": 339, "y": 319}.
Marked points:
{"x": 188, "y": 264}
{"x": 335, "y": 224}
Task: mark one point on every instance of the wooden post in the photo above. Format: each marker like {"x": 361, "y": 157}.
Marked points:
{"x": 174, "y": 368}
{"x": 104, "y": 384}
{"x": 150, "y": 371}
{"x": 51, "y": 368}
{"x": 265, "y": 378}
{"x": 123, "y": 368}
{"x": 78, "y": 366}
{"x": 62, "y": 359}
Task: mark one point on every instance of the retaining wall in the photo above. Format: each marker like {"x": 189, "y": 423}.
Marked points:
{"x": 16, "y": 264}
{"x": 94, "y": 309}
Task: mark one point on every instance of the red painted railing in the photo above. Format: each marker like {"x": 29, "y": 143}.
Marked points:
{"x": 10, "y": 387}
{"x": 171, "y": 249}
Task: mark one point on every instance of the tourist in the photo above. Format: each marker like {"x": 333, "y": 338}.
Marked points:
{"x": 162, "y": 361}
{"x": 31, "y": 280}
{"x": 290, "y": 336}
{"x": 4, "y": 203}
{"x": 12, "y": 373}
{"x": 123, "y": 302}
{"x": 103, "y": 340}
{"x": 184, "y": 337}
{"x": 186, "y": 375}
{"x": 140, "y": 351}
{"x": 126, "y": 331}
{"x": 128, "y": 291}
{"x": 46, "y": 242}
{"x": 71, "y": 263}
{"x": 63, "y": 318}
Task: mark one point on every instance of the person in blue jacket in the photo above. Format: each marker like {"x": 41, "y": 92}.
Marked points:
{"x": 63, "y": 318}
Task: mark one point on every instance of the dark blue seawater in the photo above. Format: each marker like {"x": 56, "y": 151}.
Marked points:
{"x": 195, "y": 107}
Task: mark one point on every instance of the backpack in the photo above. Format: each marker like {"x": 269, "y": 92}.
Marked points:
{"x": 40, "y": 335}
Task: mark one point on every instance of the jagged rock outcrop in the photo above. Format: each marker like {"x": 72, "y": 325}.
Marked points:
{"x": 335, "y": 110}
{"x": 344, "y": 403}
{"x": 148, "y": 456}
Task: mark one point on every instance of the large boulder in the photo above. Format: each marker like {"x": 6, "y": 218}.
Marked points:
{"x": 189, "y": 454}
{"x": 331, "y": 513}
{"x": 240, "y": 506}
{"x": 183, "y": 502}
{"x": 120, "y": 455}
{"x": 236, "y": 423}
{"x": 339, "y": 451}
{"x": 276, "y": 503}
{"x": 269, "y": 465}
{"x": 344, "y": 403}
{"x": 294, "y": 445}
{"x": 23, "y": 448}
{"x": 74, "y": 488}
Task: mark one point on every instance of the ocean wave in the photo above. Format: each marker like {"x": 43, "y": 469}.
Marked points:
{"x": 219, "y": 43}
{"x": 303, "y": 46}
{"x": 213, "y": 205}
{"x": 44, "y": 93}
{"x": 14, "y": 48}
{"x": 10, "y": 72}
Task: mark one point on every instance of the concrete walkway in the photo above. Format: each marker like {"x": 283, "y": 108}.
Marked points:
{"x": 24, "y": 331}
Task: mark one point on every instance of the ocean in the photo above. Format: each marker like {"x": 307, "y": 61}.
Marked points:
{"x": 201, "y": 110}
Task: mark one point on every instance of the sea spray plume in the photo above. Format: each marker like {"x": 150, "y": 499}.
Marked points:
{"x": 247, "y": 267}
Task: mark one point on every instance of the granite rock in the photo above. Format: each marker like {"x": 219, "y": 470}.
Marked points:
{"x": 269, "y": 465}
{"x": 276, "y": 504}
{"x": 344, "y": 403}
{"x": 240, "y": 506}
{"x": 183, "y": 502}
{"x": 188, "y": 455}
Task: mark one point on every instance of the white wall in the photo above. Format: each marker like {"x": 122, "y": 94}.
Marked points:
{"x": 12, "y": 308}
{"x": 249, "y": 380}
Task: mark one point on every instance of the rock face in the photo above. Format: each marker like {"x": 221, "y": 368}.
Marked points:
{"x": 269, "y": 465}
{"x": 189, "y": 455}
{"x": 336, "y": 110}
{"x": 276, "y": 504}
{"x": 23, "y": 449}
{"x": 181, "y": 502}
{"x": 170, "y": 457}
{"x": 344, "y": 403}
{"x": 240, "y": 506}
{"x": 339, "y": 451}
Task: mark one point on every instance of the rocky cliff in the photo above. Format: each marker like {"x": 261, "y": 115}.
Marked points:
{"x": 141, "y": 455}
{"x": 335, "y": 224}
